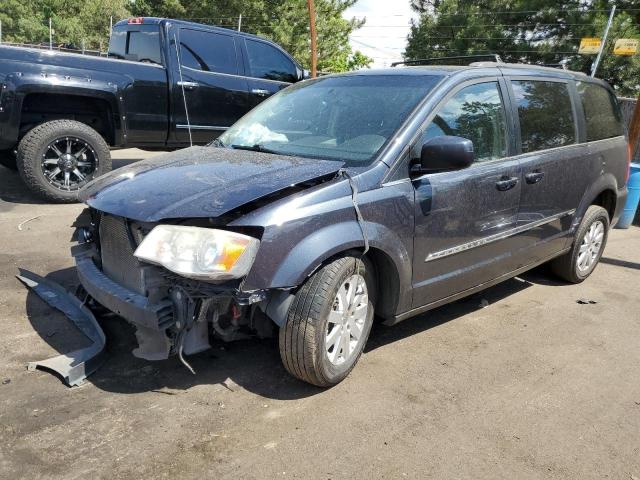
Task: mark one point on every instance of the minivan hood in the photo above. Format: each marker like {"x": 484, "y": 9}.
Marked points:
{"x": 198, "y": 182}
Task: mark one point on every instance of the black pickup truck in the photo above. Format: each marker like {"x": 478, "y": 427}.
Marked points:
{"x": 165, "y": 84}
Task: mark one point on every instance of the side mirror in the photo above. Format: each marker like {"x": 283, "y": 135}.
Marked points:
{"x": 446, "y": 153}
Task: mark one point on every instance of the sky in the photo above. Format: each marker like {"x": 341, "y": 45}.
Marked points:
{"x": 384, "y": 36}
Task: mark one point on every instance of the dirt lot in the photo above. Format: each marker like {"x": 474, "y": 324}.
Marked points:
{"x": 534, "y": 385}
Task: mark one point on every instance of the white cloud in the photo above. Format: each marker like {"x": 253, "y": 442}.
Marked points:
{"x": 384, "y": 36}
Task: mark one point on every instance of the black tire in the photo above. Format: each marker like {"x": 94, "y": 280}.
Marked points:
{"x": 566, "y": 266}
{"x": 8, "y": 159}
{"x": 36, "y": 144}
{"x": 303, "y": 336}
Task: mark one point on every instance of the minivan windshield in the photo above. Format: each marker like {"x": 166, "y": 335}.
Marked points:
{"x": 349, "y": 118}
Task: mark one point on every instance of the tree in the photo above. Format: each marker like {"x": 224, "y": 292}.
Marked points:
{"x": 528, "y": 31}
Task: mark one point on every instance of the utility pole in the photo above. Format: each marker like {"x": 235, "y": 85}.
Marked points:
{"x": 240, "y": 22}
{"x": 603, "y": 43}
{"x": 314, "y": 38}
{"x": 50, "y": 35}
{"x": 0, "y": 31}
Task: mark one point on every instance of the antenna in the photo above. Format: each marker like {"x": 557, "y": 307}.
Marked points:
{"x": 181, "y": 82}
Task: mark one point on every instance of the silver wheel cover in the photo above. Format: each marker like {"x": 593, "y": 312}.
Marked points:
{"x": 590, "y": 247}
{"x": 347, "y": 319}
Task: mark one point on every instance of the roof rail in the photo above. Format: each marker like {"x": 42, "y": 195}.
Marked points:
{"x": 468, "y": 59}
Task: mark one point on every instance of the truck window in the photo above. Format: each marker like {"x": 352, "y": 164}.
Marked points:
{"x": 476, "y": 112}
{"x": 208, "y": 51}
{"x": 139, "y": 43}
{"x": 268, "y": 62}
{"x": 601, "y": 111}
{"x": 545, "y": 113}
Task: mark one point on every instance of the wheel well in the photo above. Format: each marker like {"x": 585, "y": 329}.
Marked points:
{"x": 96, "y": 113}
{"x": 388, "y": 282}
{"x": 607, "y": 200}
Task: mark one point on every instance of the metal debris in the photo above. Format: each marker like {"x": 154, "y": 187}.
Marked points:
{"x": 27, "y": 221}
{"x": 76, "y": 366}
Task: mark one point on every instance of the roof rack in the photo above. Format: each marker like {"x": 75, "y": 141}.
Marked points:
{"x": 468, "y": 59}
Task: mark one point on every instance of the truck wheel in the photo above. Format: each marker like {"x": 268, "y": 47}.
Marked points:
{"x": 55, "y": 159}
{"x": 8, "y": 159}
{"x": 329, "y": 322}
{"x": 588, "y": 245}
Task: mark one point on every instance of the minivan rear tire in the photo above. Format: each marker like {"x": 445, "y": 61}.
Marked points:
{"x": 567, "y": 266}
{"x": 313, "y": 316}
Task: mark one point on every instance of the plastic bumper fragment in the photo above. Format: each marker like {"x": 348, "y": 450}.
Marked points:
{"x": 76, "y": 366}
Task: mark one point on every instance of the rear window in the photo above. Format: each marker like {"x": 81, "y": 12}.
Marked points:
{"x": 601, "y": 111}
{"x": 208, "y": 51}
{"x": 545, "y": 114}
{"x": 139, "y": 43}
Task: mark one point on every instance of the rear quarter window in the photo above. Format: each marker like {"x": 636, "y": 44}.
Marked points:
{"x": 602, "y": 113}
{"x": 545, "y": 113}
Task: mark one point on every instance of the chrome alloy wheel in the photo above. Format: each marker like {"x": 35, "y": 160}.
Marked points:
{"x": 347, "y": 319}
{"x": 590, "y": 247}
{"x": 68, "y": 163}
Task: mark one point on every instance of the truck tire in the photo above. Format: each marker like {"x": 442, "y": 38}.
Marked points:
{"x": 55, "y": 159}
{"x": 8, "y": 159}
{"x": 329, "y": 322}
{"x": 589, "y": 242}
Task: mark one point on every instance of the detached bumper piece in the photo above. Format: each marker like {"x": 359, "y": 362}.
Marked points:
{"x": 76, "y": 366}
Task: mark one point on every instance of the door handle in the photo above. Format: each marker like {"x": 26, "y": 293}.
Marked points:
{"x": 506, "y": 183}
{"x": 188, "y": 85}
{"x": 261, "y": 92}
{"x": 534, "y": 177}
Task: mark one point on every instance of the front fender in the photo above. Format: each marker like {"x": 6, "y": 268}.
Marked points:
{"x": 301, "y": 234}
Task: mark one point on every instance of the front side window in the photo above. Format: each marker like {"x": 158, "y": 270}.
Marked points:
{"x": 139, "y": 43}
{"x": 545, "y": 114}
{"x": 601, "y": 111}
{"x": 208, "y": 51}
{"x": 270, "y": 63}
{"x": 475, "y": 113}
{"x": 349, "y": 118}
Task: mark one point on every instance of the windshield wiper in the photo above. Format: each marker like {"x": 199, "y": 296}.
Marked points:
{"x": 256, "y": 148}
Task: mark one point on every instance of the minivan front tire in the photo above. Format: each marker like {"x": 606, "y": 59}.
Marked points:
{"x": 329, "y": 322}
{"x": 590, "y": 240}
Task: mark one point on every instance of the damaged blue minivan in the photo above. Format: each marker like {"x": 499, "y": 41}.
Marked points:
{"x": 373, "y": 194}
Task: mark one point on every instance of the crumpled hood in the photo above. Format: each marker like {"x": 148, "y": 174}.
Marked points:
{"x": 198, "y": 182}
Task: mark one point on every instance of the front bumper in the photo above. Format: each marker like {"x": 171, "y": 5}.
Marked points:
{"x": 128, "y": 304}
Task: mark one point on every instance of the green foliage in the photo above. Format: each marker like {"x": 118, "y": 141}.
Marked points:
{"x": 284, "y": 21}
{"x": 528, "y": 31}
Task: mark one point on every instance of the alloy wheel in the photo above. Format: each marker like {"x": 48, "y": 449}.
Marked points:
{"x": 68, "y": 163}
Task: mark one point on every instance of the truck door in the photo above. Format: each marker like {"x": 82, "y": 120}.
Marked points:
{"x": 215, "y": 92}
{"x": 269, "y": 70}
{"x": 465, "y": 219}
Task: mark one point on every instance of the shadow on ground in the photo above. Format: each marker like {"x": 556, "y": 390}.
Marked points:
{"x": 253, "y": 364}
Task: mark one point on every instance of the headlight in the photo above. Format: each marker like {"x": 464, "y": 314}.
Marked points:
{"x": 200, "y": 253}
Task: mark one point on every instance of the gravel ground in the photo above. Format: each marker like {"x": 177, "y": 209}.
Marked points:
{"x": 535, "y": 385}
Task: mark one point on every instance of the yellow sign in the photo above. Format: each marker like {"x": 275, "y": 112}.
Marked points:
{"x": 626, "y": 46}
{"x": 589, "y": 46}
